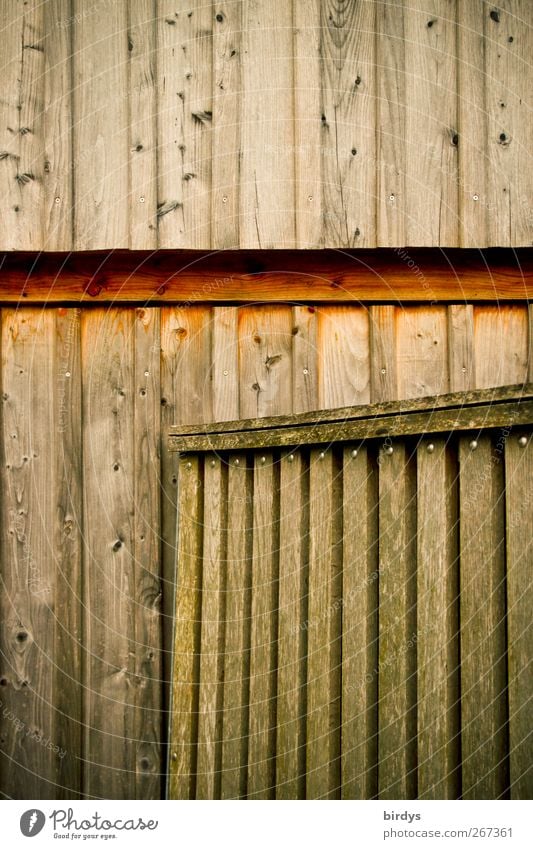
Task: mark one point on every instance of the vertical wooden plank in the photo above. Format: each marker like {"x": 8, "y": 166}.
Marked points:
{"x": 193, "y": 396}
{"x": 343, "y": 356}
{"x": 185, "y": 110}
{"x": 508, "y": 46}
{"x": 484, "y": 742}
{"x": 142, "y": 125}
{"x": 472, "y": 123}
{"x": 57, "y": 119}
{"x": 422, "y": 342}
{"x": 109, "y": 580}
{"x": 146, "y": 551}
{"x": 292, "y": 634}
{"x": 100, "y": 132}
{"x": 264, "y": 631}
{"x": 237, "y": 632}
{"x": 68, "y": 695}
{"x": 304, "y": 359}
{"x": 323, "y": 755}
{"x": 519, "y": 528}
{"x": 397, "y": 624}
{"x": 431, "y": 204}
{"x": 21, "y": 126}
{"x": 530, "y": 344}
{"x": 391, "y": 110}
{"x": 29, "y": 767}
{"x": 437, "y": 623}
{"x": 461, "y": 347}
{"x": 225, "y": 364}
{"x": 267, "y": 164}
{"x": 186, "y": 658}
{"x": 349, "y": 123}
{"x": 500, "y": 345}
{"x": 265, "y": 361}
{"x": 227, "y": 86}
{"x": 383, "y": 369}
{"x": 307, "y": 124}
{"x": 212, "y": 631}
{"x": 359, "y": 626}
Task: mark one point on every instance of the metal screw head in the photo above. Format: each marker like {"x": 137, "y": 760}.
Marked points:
{"x": 475, "y": 197}
{"x": 383, "y": 371}
{"x": 522, "y": 441}
{"x": 147, "y": 374}
{"x": 430, "y": 448}
{"x": 213, "y": 464}
{"x": 57, "y": 200}
{"x": 67, "y": 374}
{"x": 224, "y": 199}
{"x": 263, "y": 460}
{"x": 391, "y": 197}
{"x": 290, "y": 458}
{"x": 141, "y": 199}
{"x": 237, "y": 462}
{"x": 174, "y": 756}
{"x": 306, "y": 371}
{"x": 354, "y": 453}
{"x": 389, "y": 449}
{"x": 321, "y": 455}
{"x": 473, "y": 444}
{"x": 226, "y": 372}
{"x": 189, "y": 466}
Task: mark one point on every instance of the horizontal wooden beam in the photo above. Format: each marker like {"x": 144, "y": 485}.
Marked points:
{"x": 476, "y": 410}
{"x": 396, "y": 275}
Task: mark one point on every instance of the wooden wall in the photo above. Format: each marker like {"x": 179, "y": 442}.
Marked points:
{"x": 88, "y": 492}
{"x": 265, "y": 124}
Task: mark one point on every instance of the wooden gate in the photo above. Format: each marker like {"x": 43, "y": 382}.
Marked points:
{"x": 353, "y": 603}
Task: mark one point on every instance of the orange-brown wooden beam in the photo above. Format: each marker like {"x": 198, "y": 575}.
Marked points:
{"x": 394, "y": 275}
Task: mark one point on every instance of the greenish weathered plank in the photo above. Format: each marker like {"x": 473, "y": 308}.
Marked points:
{"x": 359, "y": 625}
{"x": 397, "y": 624}
{"x": 519, "y": 495}
{"x": 484, "y": 742}
{"x": 184, "y": 703}
{"x": 438, "y": 713}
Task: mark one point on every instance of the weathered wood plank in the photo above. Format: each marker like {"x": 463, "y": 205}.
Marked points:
{"x": 304, "y": 359}
{"x": 500, "y": 345}
{"x": 383, "y": 365}
{"x": 186, "y": 660}
{"x": 142, "y": 19}
{"x": 227, "y": 87}
{"x": 343, "y": 356}
{"x": 265, "y": 357}
{"x": 348, "y": 123}
{"x": 267, "y": 170}
{"x": 225, "y": 364}
{"x": 264, "y": 621}
{"x": 109, "y": 567}
{"x": 359, "y": 626}
{"x": 397, "y": 624}
{"x": 485, "y": 770}
{"x": 323, "y": 756}
{"x": 57, "y": 121}
{"x": 185, "y": 114}
{"x": 473, "y": 88}
{"x": 100, "y": 129}
{"x": 307, "y": 125}
{"x": 422, "y": 340}
{"x": 431, "y": 204}
{"x": 461, "y": 347}
{"x": 252, "y": 276}
{"x": 390, "y": 123}
{"x": 438, "y": 707}
{"x": 292, "y": 632}
{"x": 21, "y": 126}
{"x": 519, "y": 534}
{"x": 30, "y": 582}
{"x": 211, "y": 671}
{"x": 237, "y": 634}
{"x": 150, "y": 716}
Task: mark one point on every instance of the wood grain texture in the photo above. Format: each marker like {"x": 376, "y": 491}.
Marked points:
{"x": 431, "y": 123}
{"x": 292, "y": 628}
{"x": 100, "y": 153}
{"x": 484, "y": 746}
{"x": 265, "y": 361}
{"x": 237, "y": 632}
{"x": 461, "y": 347}
{"x": 263, "y": 631}
{"x": 518, "y": 472}
{"x": 500, "y": 345}
{"x": 225, "y": 364}
{"x": 383, "y": 356}
{"x": 438, "y": 666}
{"x": 109, "y": 576}
{"x": 359, "y": 626}
{"x": 422, "y": 345}
{"x": 267, "y": 128}
{"x": 343, "y": 354}
{"x": 305, "y": 362}
{"x": 323, "y": 757}
{"x": 398, "y": 635}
